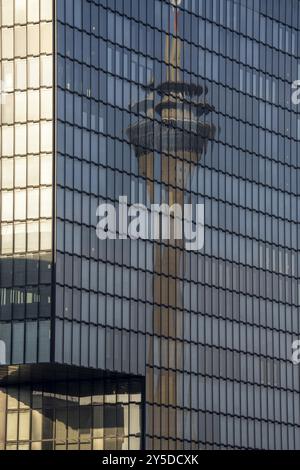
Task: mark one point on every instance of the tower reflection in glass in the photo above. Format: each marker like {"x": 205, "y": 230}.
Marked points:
{"x": 171, "y": 123}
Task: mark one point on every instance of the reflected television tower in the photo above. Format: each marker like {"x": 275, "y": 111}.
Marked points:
{"x": 169, "y": 123}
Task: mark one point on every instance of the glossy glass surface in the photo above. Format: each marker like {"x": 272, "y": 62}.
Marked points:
{"x": 85, "y": 415}
{"x": 26, "y": 181}
{"x": 212, "y": 330}
{"x": 209, "y": 325}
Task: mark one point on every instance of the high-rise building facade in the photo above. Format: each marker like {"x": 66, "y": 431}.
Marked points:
{"x": 132, "y": 343}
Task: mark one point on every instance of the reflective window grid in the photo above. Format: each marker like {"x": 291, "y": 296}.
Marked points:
{"x": 209, "y": 332}
{"x": 72, "y": 415}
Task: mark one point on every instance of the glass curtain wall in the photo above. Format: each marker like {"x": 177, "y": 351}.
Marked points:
{"x": 210, "y": 330}
{"x": 74, "y": 415}
{"x": 26, "y": 185}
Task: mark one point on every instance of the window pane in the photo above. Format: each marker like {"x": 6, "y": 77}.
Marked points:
{"x": 46, "y": 235}
{"x": 12, "y": 426}
{"x": 46, "y": 202}
{"x": 21, "y": 74}
{"x": 18, "y": 344}
{"x": 32, "y": 236}
{"x": 20, "y": 172}
{"x": 8, "y": 75}
{"x": 33, "y": 39}
{"x": 33, "y": 203}
{"x": 46, "y": 104}
{"x": 46, "y": 169}
{"x": 7, "y": 140}
{"x": 33, "y": 138}
{"x": 46, "y": 38}
{"x": 20, "y": 106}
{"x": 20, "y": 238}
{"x": 7, "y": 205}
{"x": 46, "y": 136}
{"x": 7, "y": 43}
{"x": 24, "y": 425}
{"x": 20, "y": 11}
{"x": 20, "y": 41}
{"x": 7, "y": 13}
{"x": 33, "y": 105}
{"x": 46, "y": 70}
{"x": 33, "y": 72}
{"x": 33, "y": 170}
{"x": 8, "y": 108}
{"x": 7, "y": 173}
{"x": 20, "y": 205}
{"x": 46, "y": 10}
{"x": 7, "y": 239}
{"x": 20, "y": 139}
{"x": 33, "y": 11}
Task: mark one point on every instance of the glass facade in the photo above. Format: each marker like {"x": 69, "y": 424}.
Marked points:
{"x": 163, "y": 104}
{"x": 71, "y": 415}
{"x": 26, "y": 115}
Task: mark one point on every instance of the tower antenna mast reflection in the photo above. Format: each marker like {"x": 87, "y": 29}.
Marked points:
{"x": 169, "y": 125}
